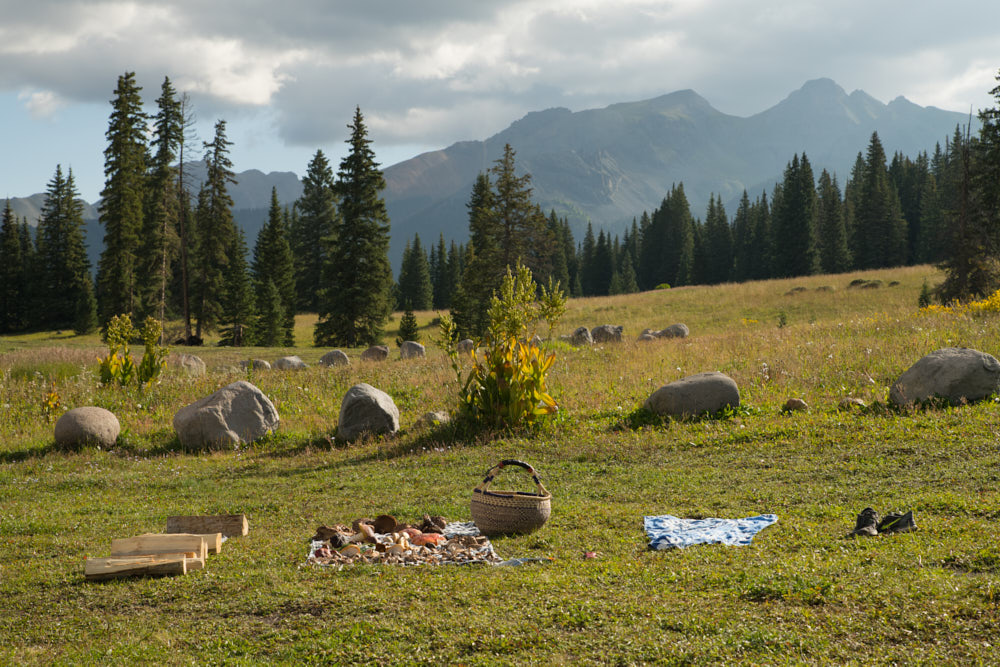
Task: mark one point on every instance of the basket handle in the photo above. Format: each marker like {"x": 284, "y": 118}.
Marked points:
{"x": 485, "y": 484}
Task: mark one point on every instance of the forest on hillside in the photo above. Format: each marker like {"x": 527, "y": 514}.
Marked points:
{"x": 172, "y": 254}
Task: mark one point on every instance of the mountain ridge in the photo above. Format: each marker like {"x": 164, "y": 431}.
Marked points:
{"x": 607, "y": 165}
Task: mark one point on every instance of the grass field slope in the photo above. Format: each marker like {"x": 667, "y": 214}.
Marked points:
{"x": 801, "y": 593}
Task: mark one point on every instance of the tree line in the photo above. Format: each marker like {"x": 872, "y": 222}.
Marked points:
{"x": 938, "y": 208}
{"x": 173, "y": 253}
{"x": 168, "y": 256}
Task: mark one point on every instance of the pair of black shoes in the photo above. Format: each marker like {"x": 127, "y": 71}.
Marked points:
{"x": 869, "y": 524}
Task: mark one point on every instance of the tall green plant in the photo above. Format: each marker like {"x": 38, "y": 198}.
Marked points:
{"x": 119, "y": 367}
{"x": 507, "y": 385}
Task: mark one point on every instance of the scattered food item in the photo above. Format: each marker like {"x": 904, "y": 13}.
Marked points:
{"x": 587, "y": 555}
{"x": 385, "y": 523}
{"x": 455, "y": 543}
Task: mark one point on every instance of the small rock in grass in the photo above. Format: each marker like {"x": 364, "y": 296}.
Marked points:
{"x": 795, "y": 405}
{"x": 695, "y": 394}
{"x": 607, "y": 333}
{"x": 957, "y": 374}
{"x": 366, "y": 409}
{"x": 581, "y": 336}
{"x": 335, "y": 358}
{"x": 238, "y": 413}
{"x": 411, "y": 349}
{"x": 255, "y": 364}
{"x": 465, "y": 346}
{"x": 678, "y": 330}
{"x": 292, "y": 363}
{"x": 187, "y": 363}
{"x": 88, "y": 425}
{"x": 375, "y": 353}
{"x": 850, "y": 403}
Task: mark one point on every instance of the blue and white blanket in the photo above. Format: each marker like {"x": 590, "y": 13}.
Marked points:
{"x": 668, "y": 532}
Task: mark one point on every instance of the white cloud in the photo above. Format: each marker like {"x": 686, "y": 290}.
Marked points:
{"x": 41, "y": 103}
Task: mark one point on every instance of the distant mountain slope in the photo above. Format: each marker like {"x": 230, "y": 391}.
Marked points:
{"x": 608, "y": 165}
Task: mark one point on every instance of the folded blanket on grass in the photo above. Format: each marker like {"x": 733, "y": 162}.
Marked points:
{"x": 668, "y": 532}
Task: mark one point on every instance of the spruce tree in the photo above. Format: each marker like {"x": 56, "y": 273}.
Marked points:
{"x": 312, "y": 232}
{"x": 273, "y": 264}
{"x": 480, "y": 275}
{"x": 879, "y": 224}
{"x": 122, "y": 202}
{"x": 408, "y": 329}
{"x": 834, "y": 255}
{"x": 742, "y": 240}
{"x": 415, "y": 288}
{"x": 238, "y": 313}
{"x": 14, "y": 301}
{"x": 793, "y": 230}
{"x": 216, "y": 231}
{"x": 159, "y": 242}
{"x": 718, "y": 243}
{"x": 63, "y": 270}
{"x": 355, "y": 303}
{"x": 269, "y": 329}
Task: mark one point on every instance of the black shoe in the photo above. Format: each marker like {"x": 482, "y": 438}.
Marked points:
{"x": 866, "y": 524}
{"x": 894, "y": 522}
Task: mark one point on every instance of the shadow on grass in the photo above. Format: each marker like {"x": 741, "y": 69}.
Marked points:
{"x": 21, "y": 455}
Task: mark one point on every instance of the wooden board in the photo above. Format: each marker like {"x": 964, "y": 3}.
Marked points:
{"x": 213, "y": 541}
{"x": 230, "y": 525}
{"x": 98, "y": 569}
{"x": 160, "y": 543}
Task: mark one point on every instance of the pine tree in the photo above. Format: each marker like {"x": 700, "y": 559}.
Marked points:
{"x": 356, "y": 302}
{"x": 269, "y": 329}
{"x": 63, "y": 267}
{"x": 879, "y": 224}
{"x": 312, "y": 233}
{"x": 469, "y": 310}
{"x": 122, "y": 201}
{"x": 588, "y": 256}
{"x": 718, "y": 243}
{"x": 408, "y": 329}
{"x": 415, "y": 289}
{"x": 186, "y": 232}
{"x": 601, "y": 268}
{"x": 760, "y": 255}
{"x": 14, "y": 301}
{"x": 158, "y": 242}
{"x": 273, "y": 265}
{"x": 237, "y": 309}
{"x": 793, "y": 229}
{"x": 216, "y": 231}
{"x": 834, "y": 255}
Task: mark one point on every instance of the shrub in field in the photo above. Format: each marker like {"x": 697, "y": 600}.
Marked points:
{"x": 507, "y": 384}
{"x": 119, "y": 367}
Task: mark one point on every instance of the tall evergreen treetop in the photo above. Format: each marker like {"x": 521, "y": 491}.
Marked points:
{"x": 312, "y": 233}
{"x": 122, "y": 200}
{"x": 273, "y": 266}
{"x": 355, "y": 301}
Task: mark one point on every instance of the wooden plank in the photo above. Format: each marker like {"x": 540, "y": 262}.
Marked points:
{"x": 98, "y": 569}
{"x": 213, "y": 541}
{"x": 160, "y": 543}
{"x": 230, "y": 525}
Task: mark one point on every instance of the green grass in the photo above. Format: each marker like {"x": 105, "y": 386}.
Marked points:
{"x": 800, "y": 593}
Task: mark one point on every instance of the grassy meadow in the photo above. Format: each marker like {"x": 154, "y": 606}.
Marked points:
{"x": 802, "y": 593}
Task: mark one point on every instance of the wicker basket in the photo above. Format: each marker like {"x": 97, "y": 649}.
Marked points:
{"x": 499, "y": 512}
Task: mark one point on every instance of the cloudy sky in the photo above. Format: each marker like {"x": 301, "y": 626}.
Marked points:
{"x": 286, "y": 76}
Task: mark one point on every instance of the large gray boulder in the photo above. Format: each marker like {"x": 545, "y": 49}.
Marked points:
{"x": 238, "y": 413}
{"x": 411, "y": 349}
{"x": 674, "y": 331}
{"x": 375, "y": 353}
{"x": 957, "y": 374}
{"x": 607, "y": 333}
{"x": 695, "y": 394}
{"x": 292, "y": 363}
{"x": 465, "y": 346}
{"x": 366, "y": 409}
{"x": 335, "y": 358}
{"x": 87, "y": 426}
{"x": 581, "y": 336}
{"x": 186, "y": 363}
